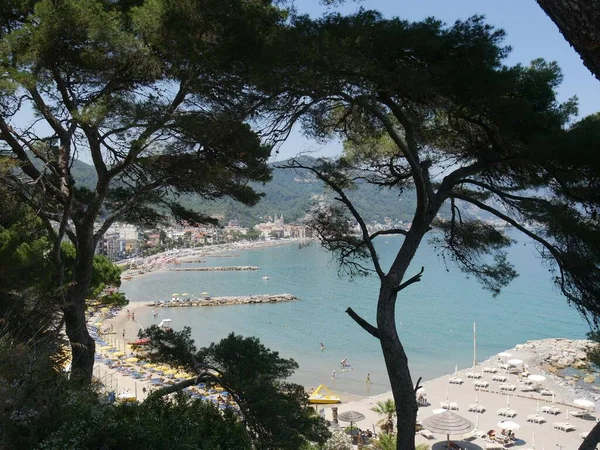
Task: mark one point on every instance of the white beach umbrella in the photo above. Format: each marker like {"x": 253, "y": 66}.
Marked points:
{"x": 505, "y": 355}
{"x": 515, "y": 362}
{"x": 508, "y": 425}
{"x": 584, "y": 403}
{"x": 537, "y": 378}
{"x": 421, "y": 391}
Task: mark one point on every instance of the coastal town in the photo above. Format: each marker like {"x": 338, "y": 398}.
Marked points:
{"x": 299, "y": 225}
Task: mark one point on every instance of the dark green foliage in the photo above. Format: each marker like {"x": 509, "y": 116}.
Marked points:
{"x": 593, "y": 354}
{"x": 276, "y": 412}
{"x": 114, "y": 299}
{"x": 180, "y": 423}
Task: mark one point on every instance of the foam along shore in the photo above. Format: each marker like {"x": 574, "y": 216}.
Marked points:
{"x": 536, "y": 356}
{"x": 214, "y": 269}
{"x": 224, "y": 301}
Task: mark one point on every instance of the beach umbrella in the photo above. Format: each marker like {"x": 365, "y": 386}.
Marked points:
{"x": 421, "y": 391}
{"x": 537, "y": 378}
{"x": 505, "y": 355}
{"x": 515, "y": 362}
{"x": 508, "y": 425}
{"x": 351, "y": 416}
{"x": 448, "y": 423}
{"x": 584, "y": 403}
{"x": 119, "y": 354}
{"x": 133, "y": 359}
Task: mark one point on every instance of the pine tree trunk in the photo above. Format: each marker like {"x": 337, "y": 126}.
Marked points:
{"x": 82, "y": 345}
{"x": 590, "y": 442}
{"x": 395, "y": 357}
{"x": 579, "y": 23}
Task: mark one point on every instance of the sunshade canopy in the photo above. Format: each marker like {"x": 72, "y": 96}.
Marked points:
{"x": 583, "y": 402}
{"x": 351, "y": 416}
{"x": 509, "y": 425}
{"x": 448, "y": 423}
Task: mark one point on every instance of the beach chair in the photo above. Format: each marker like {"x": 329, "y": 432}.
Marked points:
{"x": 551, "y": 410}
{"x": 535, "y": 418}
{"x": 510, "y": 413}
{"x": 494, "y": 446}
{"x": 563, "y": 426}
{"x": 456, "y": 380}
{"x": 426, "y": 434}
{"x": 453, "y": 406}
{"x": 499, "y": 377}
{"x": 580, "y": 414}
{"x": 490, "y": 369}
{"x": 501, "y": 411}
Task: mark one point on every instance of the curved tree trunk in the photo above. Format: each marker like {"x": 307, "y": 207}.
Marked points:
{"x": 83, "y": 346}
{"x": 394, "y": 355}
{"x": 579, "y": 23}
{"x": 592, "y": 439}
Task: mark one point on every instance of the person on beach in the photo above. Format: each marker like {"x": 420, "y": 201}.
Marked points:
{"x": 344, "y": 362}
{"x": 333, "y": 375}
{"x": 123, "y": 334}
{"x": 322, "y": 347}
{"x": 133, "y": 316}
{"x": 368, "y": 380}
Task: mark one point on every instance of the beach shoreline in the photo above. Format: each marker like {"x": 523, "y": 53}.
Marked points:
{"x": 537, "y": 357}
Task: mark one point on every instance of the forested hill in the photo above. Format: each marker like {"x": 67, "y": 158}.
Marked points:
{"x": 290, "y": 193}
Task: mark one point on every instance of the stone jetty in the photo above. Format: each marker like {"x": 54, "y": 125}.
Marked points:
{"x": 223, "y": 301}
{"x": 214, "y": 269}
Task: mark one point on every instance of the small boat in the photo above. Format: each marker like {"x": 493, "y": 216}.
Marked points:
{"x": 265, "y": 277}
{"x": 328, "y": 398}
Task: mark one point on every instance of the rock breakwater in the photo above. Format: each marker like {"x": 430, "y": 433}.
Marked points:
{"x": 223, "y": 301}
{"x": 214, "y": 269}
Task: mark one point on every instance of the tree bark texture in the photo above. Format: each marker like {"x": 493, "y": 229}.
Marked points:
{"x": 579, "y": 23}
{"x": 395, "y": 357}
{"x": 83, "y": 346}
{"x": 592, "y": 439}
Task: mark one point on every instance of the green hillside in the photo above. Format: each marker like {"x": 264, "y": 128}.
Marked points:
{"x": 290, "y": 193}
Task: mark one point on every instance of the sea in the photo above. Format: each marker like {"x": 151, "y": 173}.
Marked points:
{"x": 435, "y": 317}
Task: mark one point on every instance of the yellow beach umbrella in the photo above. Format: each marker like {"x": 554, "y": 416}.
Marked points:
{"x": 181, "y": 375}
{"x": 170, "y": 371}
{"x": 106, "y": 347}
{"x": 163, "y": 367}
{"x": 152, "y": 365}
{"x": 118, "y": 354}
{"x": 132, "y": 359}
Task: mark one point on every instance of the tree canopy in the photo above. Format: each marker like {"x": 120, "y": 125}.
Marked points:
{"x": 155, "y": 94}
{"x": 433, "y": 107}
{"x": 276, "y": 412}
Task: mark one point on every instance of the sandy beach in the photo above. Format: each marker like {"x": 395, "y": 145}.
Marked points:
{"x": 544, "y": 435}
{"x": 536, "y": 426}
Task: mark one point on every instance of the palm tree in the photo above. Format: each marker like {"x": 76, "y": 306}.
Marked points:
{"x": 386, "y": 408}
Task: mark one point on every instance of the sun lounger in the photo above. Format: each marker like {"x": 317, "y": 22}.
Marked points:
{"x": 476, "y": 408}
{"x": 509, "y": 413}
{"x": 550, "y": 410}
{"x": 535, "y": 418}
{"x": 563, "y": 426}
{"x": 453, "y": 406}
{"x": 490, "y": 369}
{"x": 426, "y": 434}
{"x": 473, "y": 434}
{"x": 546, "y": 392}
{"x": 501, "y": 411}
{"x": 480, "y": 383}
{"x": 456, "y": 380}
{"x": 580, "y": 414}
{"x": 504, "y": 366}
{"x": 499, "y": 377}
{"x": 584, "y": 434}
{"x": 527, "y": 389}
{"x": 508, "y": 387}
{"x": 473, "y": 375}
{"x": 494, "y": 446}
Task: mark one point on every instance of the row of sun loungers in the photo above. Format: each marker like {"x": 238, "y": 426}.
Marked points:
{"x": 506, "y": 412}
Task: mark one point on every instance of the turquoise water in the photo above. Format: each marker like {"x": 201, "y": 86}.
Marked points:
{"x": 435, "y": 317}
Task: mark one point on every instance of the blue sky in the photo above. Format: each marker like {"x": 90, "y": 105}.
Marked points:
{"x": 530, "y": 33}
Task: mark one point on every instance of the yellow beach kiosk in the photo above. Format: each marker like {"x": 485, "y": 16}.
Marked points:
{"x": 321, "y": 399}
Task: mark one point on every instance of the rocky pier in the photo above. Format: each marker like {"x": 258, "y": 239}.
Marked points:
{"x": 214, "y": 269}
{"x": 224, "y": 301}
